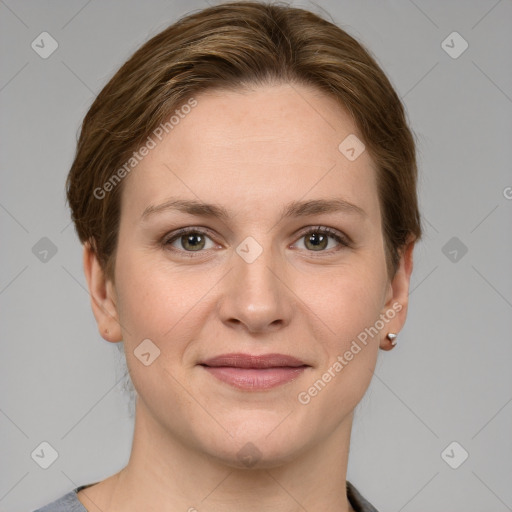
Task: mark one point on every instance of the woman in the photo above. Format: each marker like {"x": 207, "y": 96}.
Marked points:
{"x": 245, "y": 190}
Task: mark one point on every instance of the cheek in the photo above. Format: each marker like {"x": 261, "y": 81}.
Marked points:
{"x": 349, "y": 307}
{"x": 161, "y": 301}
{"x": 143, "y": 299}
{"x": 155, "y": 303}
{"x": 348, "y": 298}
{"x": 352, "y": 310}
{"x": 349, "y": 303}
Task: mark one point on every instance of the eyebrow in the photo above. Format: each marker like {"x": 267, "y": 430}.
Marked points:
{"x": 293, "y": 209}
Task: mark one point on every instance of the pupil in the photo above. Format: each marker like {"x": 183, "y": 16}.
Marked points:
{"x": 317, "y": 239}
{"x": 193, "y": 240}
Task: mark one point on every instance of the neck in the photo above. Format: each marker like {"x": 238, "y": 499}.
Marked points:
{"x": 164, "y": 474}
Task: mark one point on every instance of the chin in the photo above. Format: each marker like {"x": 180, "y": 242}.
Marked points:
{"x": 259, "y": 442}
{"x": 257, "y": 455}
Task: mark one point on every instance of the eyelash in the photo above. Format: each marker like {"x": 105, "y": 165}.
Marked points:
{"x": 343, "y": 240}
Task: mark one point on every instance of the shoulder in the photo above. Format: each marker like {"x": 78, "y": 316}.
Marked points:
{"x": 358, "y": 503}
{"x": 67, "y": 503}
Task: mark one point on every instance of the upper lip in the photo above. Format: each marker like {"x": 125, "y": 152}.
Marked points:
{"x": 253, "y": 361}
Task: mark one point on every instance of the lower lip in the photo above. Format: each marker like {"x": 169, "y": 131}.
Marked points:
{"x": 255, "y": 379}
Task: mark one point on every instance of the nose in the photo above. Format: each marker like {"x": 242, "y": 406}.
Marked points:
{"x": 256, "y": 294}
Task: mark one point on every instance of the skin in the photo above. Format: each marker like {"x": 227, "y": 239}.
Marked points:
{"x": 252, "y": 152}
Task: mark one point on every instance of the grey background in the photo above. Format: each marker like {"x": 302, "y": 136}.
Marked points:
{"x": 450, "y": 377}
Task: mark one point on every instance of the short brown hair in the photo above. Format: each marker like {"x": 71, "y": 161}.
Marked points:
{"x": 229, "y": 46}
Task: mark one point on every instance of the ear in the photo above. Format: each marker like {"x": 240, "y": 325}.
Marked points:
{"x": 103, "y": 299}
{"x": 397, "y": 298}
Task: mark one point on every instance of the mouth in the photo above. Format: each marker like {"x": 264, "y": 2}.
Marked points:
{"x": 254, "y": 373}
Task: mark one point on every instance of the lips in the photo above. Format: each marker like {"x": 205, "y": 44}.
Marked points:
{"x": 251, "y": 361}
{"x": 254, "y": 372}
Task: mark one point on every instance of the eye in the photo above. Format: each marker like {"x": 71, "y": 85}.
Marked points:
{"x": 189, "y": 240}
{"x": 316, "y": 239}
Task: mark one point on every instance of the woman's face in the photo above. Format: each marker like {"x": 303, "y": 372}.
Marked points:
{"x": 262, "y": 279}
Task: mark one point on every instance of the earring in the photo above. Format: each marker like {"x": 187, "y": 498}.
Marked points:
{"x": 392, "y": 338}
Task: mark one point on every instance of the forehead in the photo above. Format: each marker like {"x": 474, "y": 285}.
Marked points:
{"x": 258, "y": 147}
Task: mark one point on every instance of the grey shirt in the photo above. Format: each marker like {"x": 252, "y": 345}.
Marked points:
{"x": 70, "y": 503}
